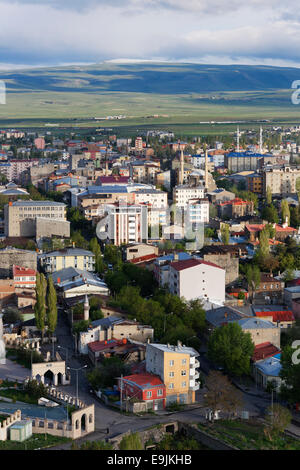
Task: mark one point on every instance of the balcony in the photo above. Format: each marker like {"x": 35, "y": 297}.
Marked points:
{"x": 195, "y": 387}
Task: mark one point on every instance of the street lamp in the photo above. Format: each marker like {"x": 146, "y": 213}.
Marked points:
{"x": 66, "y": 349}
{"x": 77, "y": 370}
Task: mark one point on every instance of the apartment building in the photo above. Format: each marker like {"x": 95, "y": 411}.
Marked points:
{"x": 198, "y": 211}
{"x": 184, "y": 193}
{"x": 177, "y": 368}
{"x": 197, "y": 279}
{"x": 235, "y": 208}
{"x": 24, "y": 278}
{"x": 67, "y": 258}
{"x": 124, "y": 224}
{"x": 35, "y": 219}
{"x": 281, "y": 180}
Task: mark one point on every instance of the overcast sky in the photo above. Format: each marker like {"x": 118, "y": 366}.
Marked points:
{"x": 54, "y": 32}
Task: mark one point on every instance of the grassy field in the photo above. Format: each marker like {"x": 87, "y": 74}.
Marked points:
{"x": 37, "y": 441}
{"x": 164, "y": 96}
{"x": 249, "y": 436}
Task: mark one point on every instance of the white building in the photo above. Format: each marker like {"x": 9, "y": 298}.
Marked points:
{"x": 197, "y": 279}
{"x": 198, "y": 211}
{"x": 184, "y": 193}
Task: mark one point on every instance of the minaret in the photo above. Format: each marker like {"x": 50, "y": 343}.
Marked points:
{"x": 206, "y": 169}
{"x": 181, "y": 168}
{"x": 260, "y": 140}
{"x": 86, "y": 308}
{"x": 238, "y": 139}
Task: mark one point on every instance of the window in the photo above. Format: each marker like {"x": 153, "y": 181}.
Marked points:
{"x": 171, "y": 363}
{"x": 183, "y": 384}
{"x": 159, "y": 392}
{"x": 183, "y": 372}
{"x": 149, "y": 394}
{"x": 171, "y": 385}
{"x": 183, "y": 362}
{"x": 171, "y": 374}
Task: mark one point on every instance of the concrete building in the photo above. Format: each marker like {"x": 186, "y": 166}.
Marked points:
{"x": 10, "y": 256}
{"x": 24, "y": 278}
{"x": 184, "y": 193}
{"x": 261, "y": 331}
{"x": 114, "y": 327}
{"x": 139, "y": 250}
{"x": 146, "y": 388}
{"x": 235, "y": 208}
{"x": 197, "y": 279}
{"x": 66, "y": 258}
{"x": 177, "y": 368}
{"x": 124, "y": 224}
{"x": 281, "y": 180}
{"x": 35, "y": 219}
{"x": 225, "y": 256}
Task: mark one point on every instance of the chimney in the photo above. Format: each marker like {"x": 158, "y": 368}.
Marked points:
{"x": 179, "y": 344}
{"x": 176, "y": 257}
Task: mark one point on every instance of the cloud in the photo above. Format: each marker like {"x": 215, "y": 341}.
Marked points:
{"x": 53, "y": 32}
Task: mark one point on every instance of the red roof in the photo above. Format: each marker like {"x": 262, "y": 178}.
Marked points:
{"x": 97, "y": 346}
{"x": 20, "y": 271}
{"x": 278, "y": 228}
{"x": 113, "y": 179}
{"x": 141, "y": 259}
{"x": 235, "y": 202}
{"x": 264, "y": 350}
{"x": 191, "y": 263}
{"x": 144, "y": 380}
{"x": 278, "y": 316}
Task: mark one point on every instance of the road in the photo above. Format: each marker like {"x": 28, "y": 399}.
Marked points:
{"x": 118, "y": 422}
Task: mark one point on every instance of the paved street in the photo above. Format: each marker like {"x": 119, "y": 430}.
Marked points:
{"x": 119, "y": 423}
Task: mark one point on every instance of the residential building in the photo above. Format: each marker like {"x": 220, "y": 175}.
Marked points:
{"x": 197, "y": 279}
{"x": 66, "y": 258}
{"x": 235, "y": 208}
{"x": 31, "y": 219}
{"x": 129, "y": 352}
{"x": 227, "y": 257}
{"x": 281, "y": 180}
{"x": 177, "y": 368}
{"x": 74, "y": 282}
{"x": 139, "y": 250}
{"x": 261, "y": 330}
{"x": 24, "y": 278}
{"x": 184, "y": 193}
{"x": 144, "y": 387}
{"x": 124, "y": 224}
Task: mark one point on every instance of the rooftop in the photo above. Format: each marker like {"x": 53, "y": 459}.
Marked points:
{"x": 191, "y": 263}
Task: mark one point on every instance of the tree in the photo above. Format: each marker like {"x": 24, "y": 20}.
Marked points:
{"x": 51, "y": 306}
{"x": 221, "y": 394}
{"x": 253, "y": 278}
{"x": 298, "y": 188}
{"x": 290, "y": 374}
{"x": 225, "y": 234}
{"x": 229, "y": 346}
{"x": 264, "y": 244}
{"x": 131, "y": 442}
{"x": 285, "y": 212}
{"x": 270, "y": 263}
{"x": 40, "y": 307}
{"x": 270, "y": 214}
{"x": 269, "y": 195}
{"x": 278, "y": 419}
{"x": 11, "y": 315}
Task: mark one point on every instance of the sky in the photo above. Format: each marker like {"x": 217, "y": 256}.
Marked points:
{"x": 57, "y": 32}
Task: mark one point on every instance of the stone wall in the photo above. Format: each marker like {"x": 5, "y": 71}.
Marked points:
{"x": 231, "y": 265}
{"x": 192, "y": 431}
{"x": 11, "y": 256}
{"x": 47, "y": 228}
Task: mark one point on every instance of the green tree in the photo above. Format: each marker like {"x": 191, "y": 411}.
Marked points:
{"x": 40, "y": 307}
{"x": 269, "y": 195}
{"x": 270, "y": 214}
{"x": 225, "y": 234}
{"x": 278, "y": 419}
{"x": 221, "y": 394}
{"x": 253, "y": 277}
{"x": 264, "y": 244}
{"x": 290, "y": 374}
{"x": 51, "y": 306}
{"x": 285, "y": 211}
{"x": 131, "y": 442}
{"x": 232, "y": 348}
